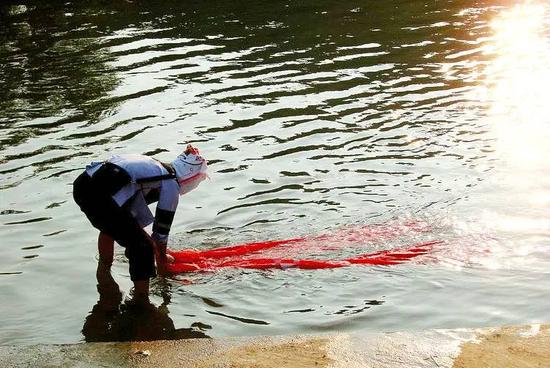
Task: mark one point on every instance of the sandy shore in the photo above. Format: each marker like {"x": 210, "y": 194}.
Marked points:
{"x": 519, "y": 346}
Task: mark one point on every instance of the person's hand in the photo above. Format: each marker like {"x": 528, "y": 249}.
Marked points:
{"x": 163, "y": 269}
{"x": 162, "y": 259}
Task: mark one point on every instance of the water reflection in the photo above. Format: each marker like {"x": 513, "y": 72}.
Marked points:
{"x": 111, "y": 319}
{"x": 51, "y": 65}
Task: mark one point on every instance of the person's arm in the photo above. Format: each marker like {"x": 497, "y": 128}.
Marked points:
{"x": 160, "y": 241}
{"x": 164, "y": 215}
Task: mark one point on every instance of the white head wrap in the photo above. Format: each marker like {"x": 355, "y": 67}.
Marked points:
{"x": 190, "y": 169}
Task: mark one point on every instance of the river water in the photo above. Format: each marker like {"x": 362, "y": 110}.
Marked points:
{"x": 314, "y": 116}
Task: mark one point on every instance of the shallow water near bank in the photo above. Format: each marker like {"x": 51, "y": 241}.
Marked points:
{"x": 314, "y": 117}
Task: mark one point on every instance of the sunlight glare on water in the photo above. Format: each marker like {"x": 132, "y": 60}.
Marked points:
{"x": 516, "y": 85}
{"x": 518, "y": 80}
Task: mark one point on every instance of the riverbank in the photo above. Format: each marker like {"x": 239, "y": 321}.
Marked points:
{"x": 517, "y": 346}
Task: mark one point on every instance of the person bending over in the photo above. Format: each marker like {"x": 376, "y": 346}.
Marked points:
{"x": 114, "y": 195}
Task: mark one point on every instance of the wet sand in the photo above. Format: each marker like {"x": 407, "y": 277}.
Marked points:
{"x": 510, "y": 347}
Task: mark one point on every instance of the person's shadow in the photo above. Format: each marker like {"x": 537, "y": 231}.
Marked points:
{"x": 111, "y": 319}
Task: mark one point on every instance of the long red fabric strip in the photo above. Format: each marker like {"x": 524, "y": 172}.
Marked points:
{"x": 357, "y": 234}
{"x": 192, "y": 260}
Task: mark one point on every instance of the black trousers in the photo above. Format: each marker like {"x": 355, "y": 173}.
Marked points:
{"x": 105, "y": 215}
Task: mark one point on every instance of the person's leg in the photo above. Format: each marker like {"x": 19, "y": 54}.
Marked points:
{"x": 139, "y": 249}
{"x": 98, "y": 207}
{"x": 95, "y": 206}
{"x": 141, "y": 289}
{"x": 142, "y": 265}
{"x": 105, "y": 246}
{"x": 142, "y": 268}
{"x": 141, "y": 262}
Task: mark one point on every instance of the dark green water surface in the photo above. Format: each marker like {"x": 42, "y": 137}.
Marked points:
{"x": 314, "y": 115}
